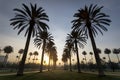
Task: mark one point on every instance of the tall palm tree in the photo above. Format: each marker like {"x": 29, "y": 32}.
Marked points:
{"x": 69, "y": 45}
{"x": 85, "y": 53}
{"x": 41, "y": 39}
{"x": 7, "y": 50}
{"x": 65, "y": 57}
{"x": 77, "y": 38}
{"x": 108, "y": 51}
{"x": 90, "y": 20}
{"x": 35, "y": 54}
{"x": 116, "y": 51}
{"x": 21, "y": 51}
{"x": 48, "y": 50}
{"x": 33, "y": 20}
{"x": 54, "y": 55}
{"x": 30, "y": 54}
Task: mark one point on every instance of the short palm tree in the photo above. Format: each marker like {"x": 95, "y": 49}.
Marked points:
{"x": 91, "y": 53}
{"x": 116, "y": 51}
{"x": 21, "y": 51}
{"x": 90, "y": 20}
{"x": 85, "y": 53}
{"x": 41, "y": 39}
{"x": 33, "y": 20}
{"x": 30, "y": 54}
{"x": 35, "y": 54}
{"x": 77, "y": 38}
{"x": 108, "y": 51}
{"x": 7, "y": 50}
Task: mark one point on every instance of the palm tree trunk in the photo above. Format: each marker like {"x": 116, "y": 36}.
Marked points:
{"x": 70, "y": 64}
{"x": 22, "y": 62}
{"x": 70, "y": 60}
{"x": 118, "y": 58}
{"x": 78, "y": 62}
{"x": 97, "y": 57}
{"x": 34, "y": 59}
{"x": 85, "y": 59}
{"x": 41, "y": 66}
{"x": 49, "y": 63}
{"x": 5, "y": 60}
{"x": 109, "y": 58}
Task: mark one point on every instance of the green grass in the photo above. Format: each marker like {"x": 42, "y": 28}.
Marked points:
{"x": 58, "y": 75}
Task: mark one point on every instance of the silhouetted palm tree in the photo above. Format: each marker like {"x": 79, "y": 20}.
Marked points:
{"x": 53, "y": 56}
{"x": 48, "y": 50}
{"x": 69, "y": 45}
{"x": 85, "y": 53}
{"x": 41, "y": 39}
{"x": 77, "y": 38}
{"x": 108, "y": 51}
{"x": 91, "y": 53}
{"x": 21, "y": 51}
{"x": 30, "y": 54}
{"x": 116, "y": 51}
{"x": 32, "y": 19}
{"x": 7, "y": 50}
{"x": 35, "y": 54}
{"x": 90, "y": 20}
{"x": 65, "y": 57}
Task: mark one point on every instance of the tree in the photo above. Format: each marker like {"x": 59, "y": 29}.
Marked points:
{"x": 33, "y": 19}
{"x": 77, "y": 38}
{"x": 108, "y": 51}
{"x": 90, "y": 20}
{"x": 69, "y": 45}
{"x": 116, "y": 51}
{"x": 41, "y": 39}
{"x": 54, "y": 56}
{"x": 85, "y": 53}
{"x": 21, "y": 51}
{"x": 91, "y": 53}
{"x": 35, "y": 54}
{"x": 7, "y": 50}
{"x": 65, "y": 57}
{"x": 30, "y": 54}
{"x": 49, "y": 45}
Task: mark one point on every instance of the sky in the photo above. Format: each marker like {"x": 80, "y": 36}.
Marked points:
{"x": 60, "y": 14}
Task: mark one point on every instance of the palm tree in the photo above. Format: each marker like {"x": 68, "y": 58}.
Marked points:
{"x": 41, "y": 39}
{"x": 30, "y": 54}
{"x": 91, "y": 53}
{"x": 48, "y": 50}
{"x": 7, "y": 50}
{"x": 85, "y": 53}
{"x": 35, "y": 54}
{"x": 21, "y": 51}
{"x": 53, "y": 55}
{"x": 69, "y": 45}
{"x": 108, "y": 51}
{"x": 77, "y": 38}
{"x": 90, "y": 20}
{"x": 65, "y": 57}
{"x": 116, "y": 51}
{"x": 32, "y": 19}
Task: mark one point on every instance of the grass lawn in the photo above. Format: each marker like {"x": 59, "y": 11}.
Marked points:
{"x": 58, "y": 75}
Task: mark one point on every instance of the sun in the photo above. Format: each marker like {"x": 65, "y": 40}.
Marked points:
{"x": 46, "y": 60}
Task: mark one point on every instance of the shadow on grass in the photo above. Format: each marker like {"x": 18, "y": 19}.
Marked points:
{"x": 59, "y": 75}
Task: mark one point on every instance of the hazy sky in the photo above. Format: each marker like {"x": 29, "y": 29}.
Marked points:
{"x": 60, "y": 13}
